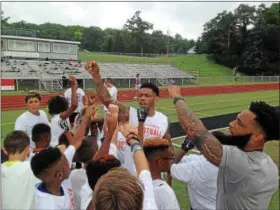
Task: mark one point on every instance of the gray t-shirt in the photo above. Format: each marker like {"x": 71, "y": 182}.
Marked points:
{"x": 246, "y": 180}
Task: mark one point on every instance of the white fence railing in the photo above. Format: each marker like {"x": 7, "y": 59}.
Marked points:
{"x": 26, "y": 84}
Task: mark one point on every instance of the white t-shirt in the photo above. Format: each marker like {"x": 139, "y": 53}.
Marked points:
{"x": 45, "y": 200}
{"x": 113, "y": 91}
{"x": 201, "y": 178}
{"x": 56, "y": 130}
{"x": 26, "y": 121}
{"x": 79, "y": 182}
{"x": 149, "y": 195}
{"x": 86, "y": 196}
{"x": 18, "y": 186}
{"x": 154, "y": 127}
{"x": 164, "y": 196}
{"x": 80, "y": 94}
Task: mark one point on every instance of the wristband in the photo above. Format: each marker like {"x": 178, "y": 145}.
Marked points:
{"x": 134, "y": 144}
{"x": 136, "y": 150}
{"x": 176, "y": 99}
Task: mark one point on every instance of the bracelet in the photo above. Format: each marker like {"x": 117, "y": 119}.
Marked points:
{"x": 176, "y": 99}
{"x": 134, "y": 144}
{"x": 136, "y": 150}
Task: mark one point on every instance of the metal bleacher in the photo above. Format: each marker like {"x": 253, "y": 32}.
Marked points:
{"x": 56, "y": 69}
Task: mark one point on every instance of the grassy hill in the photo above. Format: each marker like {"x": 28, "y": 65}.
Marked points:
{"x": 198, "y": 63}
{"x": 109, "y": 58}
{"x": 201, "y": 64}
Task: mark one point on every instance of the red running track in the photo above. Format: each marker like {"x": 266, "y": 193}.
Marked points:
{"x": 17, "y": 101}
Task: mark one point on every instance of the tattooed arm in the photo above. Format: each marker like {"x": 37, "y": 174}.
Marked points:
{"x": 205, "y": 142}
{"x": 102, "y": 91}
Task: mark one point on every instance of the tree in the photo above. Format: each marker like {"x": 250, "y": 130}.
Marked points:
{"x": 138, "y": 27}
{"x": 4, "y": 20}
{"x": 78, "y": 35}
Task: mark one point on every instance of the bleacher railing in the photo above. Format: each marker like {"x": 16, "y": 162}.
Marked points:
{"x": 26, "y": 84}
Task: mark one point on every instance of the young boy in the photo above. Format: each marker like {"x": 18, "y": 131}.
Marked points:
{"x": 18, "y": 180}
{"x": 32, "y": 116}
{"x": 41, "y": 136}
{"x": 52, "y": 167}
{"x": 60, "y": 111}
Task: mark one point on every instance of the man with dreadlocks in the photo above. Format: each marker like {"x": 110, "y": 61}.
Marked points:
{"x": 247, "y": 177}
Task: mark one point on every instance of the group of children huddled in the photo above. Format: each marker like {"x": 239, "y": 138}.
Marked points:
{"x": 65, "y": 163}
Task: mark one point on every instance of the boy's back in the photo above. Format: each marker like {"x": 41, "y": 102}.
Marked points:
{"x": 18, "y": 185}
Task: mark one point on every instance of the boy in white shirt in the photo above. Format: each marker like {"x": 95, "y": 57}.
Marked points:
{"x": 68, "y": 95}
{"x": 18, "y": 180}
{"x": 160, "y": 158}
{"x": 52, "y": 167}
{"x": 32, "y": 116}
{"x": 60, "y": 111}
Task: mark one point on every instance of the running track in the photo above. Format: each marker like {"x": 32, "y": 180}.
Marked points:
{"x": 17, "y": 101}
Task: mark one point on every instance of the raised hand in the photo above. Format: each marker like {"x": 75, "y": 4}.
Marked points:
{"x": 142, "y": 114}
{"x": 92, "y": 68}
{"x": 173, "y": 91}
{"x": 73, "y": 81}
{"x": 90, "y": 111}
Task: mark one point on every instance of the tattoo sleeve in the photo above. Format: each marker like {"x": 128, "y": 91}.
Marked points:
{"x": 205, "y": 142}
{"x": 103, "y": 93}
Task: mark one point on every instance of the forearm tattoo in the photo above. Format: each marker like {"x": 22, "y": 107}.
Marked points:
{"x": 103, "y": 93}
{"x": 205, "y": 142}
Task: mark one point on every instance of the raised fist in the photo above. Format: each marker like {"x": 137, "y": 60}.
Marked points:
{"x": 73, "y": 81}
{"x": 142, "y": 114}
{"x": 92, "y": 68}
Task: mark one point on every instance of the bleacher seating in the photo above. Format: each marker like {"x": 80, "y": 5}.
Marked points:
{"x": 56, "y": 69}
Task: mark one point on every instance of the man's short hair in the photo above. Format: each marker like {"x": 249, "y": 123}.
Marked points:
{"x": 151, "y": 86}
{"x": 44, "y": 160}
{"x": 150, "y": 146}
{"x": 97, "y": 168}
{"x": 268, "y": 118}
{"x": 32, "y": 94}
{"x": 38, "y": 130}
{"x": 16, "y": 141}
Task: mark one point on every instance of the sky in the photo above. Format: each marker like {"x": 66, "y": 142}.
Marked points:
{"x": 185, "y": 18}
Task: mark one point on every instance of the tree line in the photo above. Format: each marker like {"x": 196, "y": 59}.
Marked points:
{"x": 133, "y": 37}
{"x": 246, "y": 39}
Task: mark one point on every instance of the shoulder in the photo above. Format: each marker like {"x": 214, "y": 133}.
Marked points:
{"x": 23, "y": 115}
{"x": 161, "y": 115}
{"x": 42, "y": 112}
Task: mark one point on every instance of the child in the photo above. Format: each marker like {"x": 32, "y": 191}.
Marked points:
{"x": 52, "y": 167}
{"x": 59, "y": 109}
{"x": 41, "y": 136}
{"x": 32, "y": 116}
{"x": 18, "y": 180}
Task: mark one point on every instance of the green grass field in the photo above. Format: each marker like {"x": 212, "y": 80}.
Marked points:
{"x": 200, "y": 63}
{"x": 203, "y": 106}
